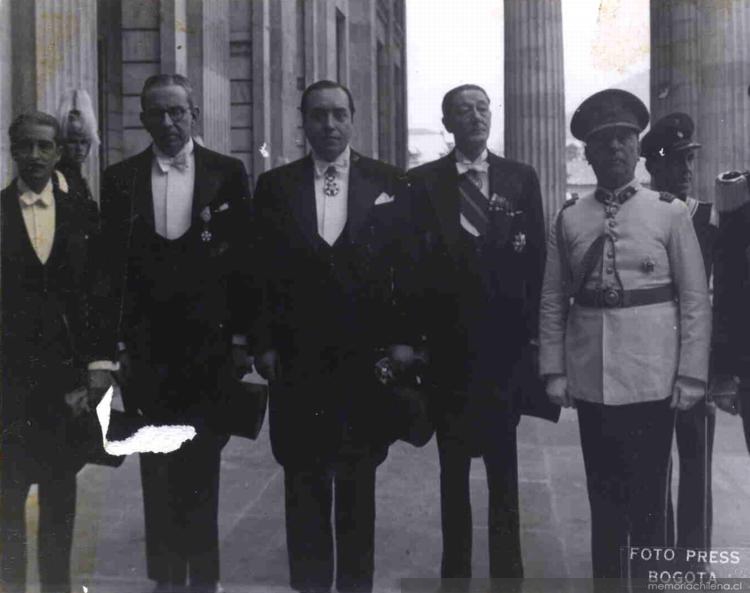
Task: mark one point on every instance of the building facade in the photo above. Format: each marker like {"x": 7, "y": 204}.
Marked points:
{"x": 248, "y": 60}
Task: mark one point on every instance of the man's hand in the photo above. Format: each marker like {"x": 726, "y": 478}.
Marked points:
{"x": 402, "y": 356}
{"x": 268, "y": 365}
{"x": 723, "y": 391}
{"x": 78, "y": 401}
{"x": 122, "y": 375}
{"x": 557, "y": 391}
{"x": 241, "y": 361}
{"x": 98, "y": 383}
{"x": 687, "y": 392}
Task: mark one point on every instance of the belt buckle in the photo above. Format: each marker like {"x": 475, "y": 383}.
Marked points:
{"x": 611, "y": 297}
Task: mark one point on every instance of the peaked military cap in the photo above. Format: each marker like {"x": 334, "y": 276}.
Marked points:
{"x": 607, "y": 109}
{"x": 672, "y": 133}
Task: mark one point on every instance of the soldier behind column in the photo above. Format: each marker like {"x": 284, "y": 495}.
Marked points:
{"x": 480, "y": 223}
{"x": 46, "y": 347}
{"x": 633, "y": 346}
{"x": 670, "y": 153}
{"x": 333, "y": 225}
{"x": 176, "y": 221}
{"x": 79, "y": 132}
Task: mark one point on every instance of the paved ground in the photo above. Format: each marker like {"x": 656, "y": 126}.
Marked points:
{"x": 109, "y": 539}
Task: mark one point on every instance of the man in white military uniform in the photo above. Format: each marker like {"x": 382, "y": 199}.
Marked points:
{"x": 624, "y": 328}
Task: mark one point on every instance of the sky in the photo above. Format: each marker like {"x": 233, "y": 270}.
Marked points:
{"x": 451, "y": 42}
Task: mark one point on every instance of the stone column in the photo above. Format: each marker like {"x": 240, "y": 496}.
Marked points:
{"x": 363, "y": 77}
{"x": 724, "y": 111}
{"x": 66, "y": 58}
{"x": 676, "y": 68}
{"x": 6, "y": 97}
{"x": 208, "y": 69}
{"x": 261, "y": 40}
{"x": 535, "y": 94}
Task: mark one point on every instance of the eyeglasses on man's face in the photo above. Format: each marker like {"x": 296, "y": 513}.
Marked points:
{"x": 176, "y": 114}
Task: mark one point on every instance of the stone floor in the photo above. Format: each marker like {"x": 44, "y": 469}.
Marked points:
{"x": 109, "y": 538}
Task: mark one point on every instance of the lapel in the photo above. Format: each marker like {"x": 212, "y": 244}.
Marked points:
{"x": 362, "y": 195}
{"x": 301, "y": 192}
{"x": 208, "y": 180}
{"x": 443, "y": 193}
{"x": 14, "y": 237}
{"x": 138, "y": 186}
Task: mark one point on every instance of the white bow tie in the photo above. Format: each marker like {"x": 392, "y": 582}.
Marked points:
{"x": 29, "y": 198}
{"x": 179, "y": 162}
{"x": 480, "y": 167}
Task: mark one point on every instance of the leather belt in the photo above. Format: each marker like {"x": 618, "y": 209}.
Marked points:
{"x": 612, "y": 298}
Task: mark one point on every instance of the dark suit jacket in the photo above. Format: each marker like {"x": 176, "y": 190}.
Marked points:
{"x": 481, "y": 298}
{"x": 176, "y": 304}
{"x": 46, "y": 342}
{"x": 328, "y": 310}
{"x": 730, "y": 348}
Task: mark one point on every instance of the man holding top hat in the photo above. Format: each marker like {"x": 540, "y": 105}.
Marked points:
{"x": 670, "y": 150}
{"x": 625, "y": 323}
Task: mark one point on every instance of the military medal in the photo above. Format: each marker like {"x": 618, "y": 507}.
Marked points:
{"x": 519, "y": 242}
{"x": 205, "y": 215}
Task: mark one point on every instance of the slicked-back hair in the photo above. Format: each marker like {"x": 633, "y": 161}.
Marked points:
{"x": 325, "y": 84}
{"x": 39, "y": 118}
{"x": 159, "y": 80}
{"x": 448, "y": 98}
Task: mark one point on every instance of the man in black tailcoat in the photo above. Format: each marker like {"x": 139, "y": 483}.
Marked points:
{"x": 333, "y": 225}
{"x": 176, "y": 221}
{"x": 47, "y": 230}
{"x": 481, "y": 230}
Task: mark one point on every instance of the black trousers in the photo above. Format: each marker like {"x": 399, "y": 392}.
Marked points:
{"x": 57, "y": 507}
{"x": 348, "y": 488}
{"x": 626, "y": 452}
{"x": 181, "y": 507}
{"x": 694, "y": 431}
{"x": 488, "y": 431}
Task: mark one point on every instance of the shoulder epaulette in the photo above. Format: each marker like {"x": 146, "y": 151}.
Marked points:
{"x": 666, "y": 197}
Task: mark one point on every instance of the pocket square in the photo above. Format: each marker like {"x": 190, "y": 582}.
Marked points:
{"x": 384, "y": 198}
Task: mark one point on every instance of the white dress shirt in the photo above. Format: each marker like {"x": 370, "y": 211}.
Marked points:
{"x": 38, "y": 211}
{"x": 482, "y": 166}
{"x": 172, "y": 188}
{"x": 332, "y": 211}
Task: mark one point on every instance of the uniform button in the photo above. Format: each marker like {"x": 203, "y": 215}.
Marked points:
{"x": 610, "y": 270}
{"x": 610, "y": 254}
{"x": 613, "y": 223}
{"x": 614, "y": 239}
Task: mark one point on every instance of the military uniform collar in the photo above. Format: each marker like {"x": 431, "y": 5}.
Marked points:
{"x": 619, "y": 195}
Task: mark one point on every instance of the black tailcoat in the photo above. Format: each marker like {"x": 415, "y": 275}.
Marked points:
{"x": 329, "y": 308}
{"x": 176, "y": 304}
{"x": 46, "y": 342}
{"x": 481, "y": 298}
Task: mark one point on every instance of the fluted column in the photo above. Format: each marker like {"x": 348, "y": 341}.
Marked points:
{"x": 208, "y": 64}
{"x": 535, "y": 93}
{"x": 724, "y": 110}
{"x": 676, "y": 68}
{"x": 66, "y": 58}
{"x": 6, "y": 97}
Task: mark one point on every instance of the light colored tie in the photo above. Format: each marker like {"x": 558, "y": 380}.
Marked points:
{"x": 179, "y": 162}
{"x": 28, "y": 199}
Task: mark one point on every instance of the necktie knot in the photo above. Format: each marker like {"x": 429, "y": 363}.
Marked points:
{"x": 473, "y": 175}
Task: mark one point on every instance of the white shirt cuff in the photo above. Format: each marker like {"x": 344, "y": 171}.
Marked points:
{"x": 104, "y": 365}
{"x": 239, "y": 340}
